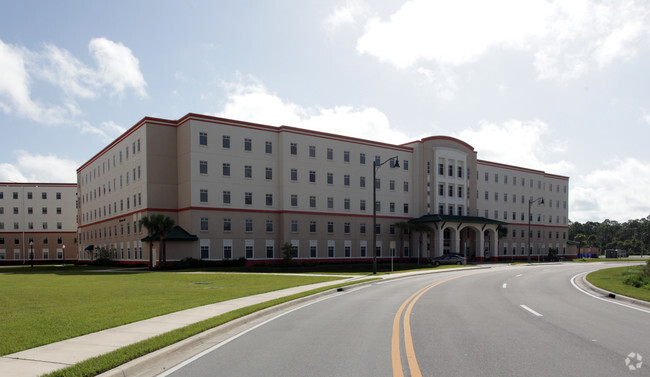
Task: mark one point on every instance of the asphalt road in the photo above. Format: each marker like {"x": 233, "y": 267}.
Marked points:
{"x": 502, "y": 321}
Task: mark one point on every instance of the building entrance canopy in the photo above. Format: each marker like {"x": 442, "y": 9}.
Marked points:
{"x": 473, "y": 236}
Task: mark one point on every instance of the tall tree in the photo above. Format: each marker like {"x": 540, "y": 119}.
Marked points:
{"x": 157, "y": 225}
{"x": 421, "y": 228}
{"x": 404, "y": 228}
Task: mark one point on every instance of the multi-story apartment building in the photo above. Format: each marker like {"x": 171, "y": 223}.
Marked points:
{"x": 239, "y": 189}
{"x": 37, "y": 222}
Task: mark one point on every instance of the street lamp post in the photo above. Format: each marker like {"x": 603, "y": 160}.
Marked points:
{"x": 375, "y": 167}
{"x": 63, "y": 254}
{"x": 530, "y": 203}
{"x": 31, "y": 253}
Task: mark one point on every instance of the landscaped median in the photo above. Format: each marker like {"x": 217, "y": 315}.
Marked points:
{"x": 631, "y": 281}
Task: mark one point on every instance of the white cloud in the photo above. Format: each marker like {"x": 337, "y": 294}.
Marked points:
{"x": 107, "y": 130}
{"x": 117, "y": 66}
{"x": 518, "y": 143}
{"x": 117, "y": 69}
{"x": 14, "y": 88}
{"x": 565, "y": 38}
{"x": 39, "y": 168}
{"x": 249, "y": 100}
{"x": 618, "y": 191}
{"x": 344, "y": 14}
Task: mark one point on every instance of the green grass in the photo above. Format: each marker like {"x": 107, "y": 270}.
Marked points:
{"x": 46, "y": 304}
{"x": 100, "y": 364}
{"x": 613, "y": 280}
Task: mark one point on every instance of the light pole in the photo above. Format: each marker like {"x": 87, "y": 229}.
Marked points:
{"x": 63, "y": 255}
{"x": 530, "y": 203}
{"x": 375, "y": 167}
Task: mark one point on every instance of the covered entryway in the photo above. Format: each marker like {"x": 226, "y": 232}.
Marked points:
{"x": 472, "y": 236}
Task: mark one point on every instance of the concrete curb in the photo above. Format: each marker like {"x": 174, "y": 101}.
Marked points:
{"x": 611, "y": 295}
{"x": 173, "y": 354}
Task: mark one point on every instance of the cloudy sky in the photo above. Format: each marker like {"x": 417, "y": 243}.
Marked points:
{"x": 559, "y": 86}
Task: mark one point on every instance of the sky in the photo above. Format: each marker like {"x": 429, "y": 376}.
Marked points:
{"x": 558, "y": 86}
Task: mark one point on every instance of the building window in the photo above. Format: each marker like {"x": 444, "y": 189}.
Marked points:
{"x": 203, "y": 167}
{"x": 269, "y": 199}
{"x": 226, "y": 169}
{"x": 203, "y": 196}
{"x": 312, "y": 202}
{"x": 406, "y": 186}
{"x": 58, "y": 196}
{"x": 248, "y": 225}
{"x": 330, "y": 251}
{"x": 249, "y": 251}
{"x": 294, "y": 200}
{"x": 330, "y": 154}
{"x": 294, "y": 226}
{"x": 312, "y": 176}
{"x": 391, "y": 184}
{"x": 346, "y": 156}
{"x": 362, "y": 205}
{"x": 44, "y": 196}
{"x": 294, "y": 175}
{"x": 269, "y": 225}
{"x": 346, "y": 228}
{"x": 362, "y": 182}
{"x": 248, "y": 198}
{"x": 227, "y": 252}
{"x": 330, "y": 178}
{"x": 330, "y": 227}
{"x": 293, "y": 149}
{"x": 346, "y": 180}
{"x": 203, "y": 138}
{"x": 248, "y": 145}
{"x": 227, "y": 225}
{"x": 248, "y": 171}
{"x": 312, "y": 151}
{"x": 269, "y": 173}
{"x": 225, "y": 141}
{"x": 330, "y": 202}
{"x": 15, "y": 195}
{"x": 312, "y": 227}
{"x": 205, "y": 252}
{"x": 44, "y": 209}
{"x": 391, "y": 206}
{"x": 204, "y": 223}
{"x": 346, "y": 203}
{"x": 362, "y": 158}
{"x": 269, "y": 252}
{"x": 268, "y": 147}
{"x": 226, "y": 197}
{"x": 59, "y": 225}
{"x": 406, "y": 208}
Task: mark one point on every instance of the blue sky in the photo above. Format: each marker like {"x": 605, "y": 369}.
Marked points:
{"x": 557, "y": 87}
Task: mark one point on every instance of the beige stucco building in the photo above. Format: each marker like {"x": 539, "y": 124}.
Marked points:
{"x": 239, "y": 189}
{"x": 37, "y": 220}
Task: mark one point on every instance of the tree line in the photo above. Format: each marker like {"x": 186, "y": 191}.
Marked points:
{"x": 632, "y": 235}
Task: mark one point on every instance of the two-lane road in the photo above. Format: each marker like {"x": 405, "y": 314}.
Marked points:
{"x": 502, "y": 321}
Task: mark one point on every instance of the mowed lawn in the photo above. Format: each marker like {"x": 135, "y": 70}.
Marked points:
{"x": 45, "y": 305}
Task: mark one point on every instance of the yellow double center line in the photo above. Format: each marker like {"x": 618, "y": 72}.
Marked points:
{"x": 396, "y": 355}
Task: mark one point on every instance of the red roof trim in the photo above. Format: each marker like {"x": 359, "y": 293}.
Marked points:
{"x": 519, "y": 168}
{"x": 449, "y": 138}
{"x": 35, "y": 184}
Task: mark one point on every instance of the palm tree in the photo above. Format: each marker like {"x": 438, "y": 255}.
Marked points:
{"x": 165, "y": 224}
{"x": 404, "y": 228}
{"x": 157, "y": 225}
{"x": 502, "y": 231}
{"x": 420, "y": 228}
{"x": 580, "y": 239}
{"x": 151, "y": 230}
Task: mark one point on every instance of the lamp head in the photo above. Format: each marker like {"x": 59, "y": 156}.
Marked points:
{"x": 396, "y": 164}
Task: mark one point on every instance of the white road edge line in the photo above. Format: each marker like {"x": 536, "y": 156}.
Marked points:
{"x": 505, "y": 285}
{"x": 519, "y": 275}
{"x": 223, "y": 343}
{"x": 531, "y": 311}
{"x": 602, "y": 298}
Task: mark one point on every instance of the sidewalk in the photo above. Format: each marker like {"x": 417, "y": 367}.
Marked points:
{"x": 48, "y": 358}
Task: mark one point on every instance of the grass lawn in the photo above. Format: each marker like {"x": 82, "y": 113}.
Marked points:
{"x": 47, "y": 304}
{"x": 612, "y": 279}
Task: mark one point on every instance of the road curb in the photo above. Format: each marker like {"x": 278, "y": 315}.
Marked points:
{"x": 611, "y": 295}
